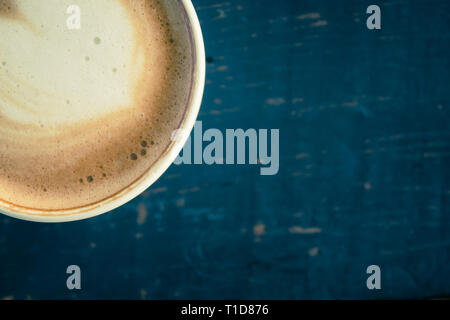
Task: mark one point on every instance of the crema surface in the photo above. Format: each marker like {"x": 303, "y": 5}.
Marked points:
{"x": 86, "y": 112}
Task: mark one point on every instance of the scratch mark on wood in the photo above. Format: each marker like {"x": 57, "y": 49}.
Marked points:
{"x": 313, "y": 251}
{"x": 180, "y": 203}
{"x": 259, "y": 229}
{"x": 301, "y": 156}
{"x": 319, "y": 23}
{"x": 300, "y": 230}
{"x": 142, "y": 214}
{"x": 143, "y": 294}
{"x": 191, "y": 190}
{"x": 275, "y": 101}
{"x": 154, "y": 191}
{"x": 312, "y": 15}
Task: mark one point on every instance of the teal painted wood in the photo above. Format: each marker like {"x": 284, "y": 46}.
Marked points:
{"x": 364, "y": 170}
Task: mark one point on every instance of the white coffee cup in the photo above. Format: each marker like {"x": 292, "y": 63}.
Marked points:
{"x": 157, "y": 169}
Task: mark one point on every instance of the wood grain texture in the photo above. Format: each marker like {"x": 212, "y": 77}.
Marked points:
{"x": 364, "y": 170}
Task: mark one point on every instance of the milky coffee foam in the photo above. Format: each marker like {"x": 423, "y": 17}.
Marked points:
{"x": 85, "y": 113}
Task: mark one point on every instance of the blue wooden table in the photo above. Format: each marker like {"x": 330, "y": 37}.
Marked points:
{"x": 364, "y": 170}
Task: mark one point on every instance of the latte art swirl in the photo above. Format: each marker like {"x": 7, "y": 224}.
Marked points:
{"x": 86, "y": 112}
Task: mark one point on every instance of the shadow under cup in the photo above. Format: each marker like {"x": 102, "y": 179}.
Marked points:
{"x": 160, "y": 165}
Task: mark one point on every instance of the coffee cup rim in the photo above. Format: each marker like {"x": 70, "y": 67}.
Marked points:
{"x": 156, "y": 170}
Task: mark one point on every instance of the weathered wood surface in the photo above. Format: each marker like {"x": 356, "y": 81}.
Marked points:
{"x": 364, "y": 170}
